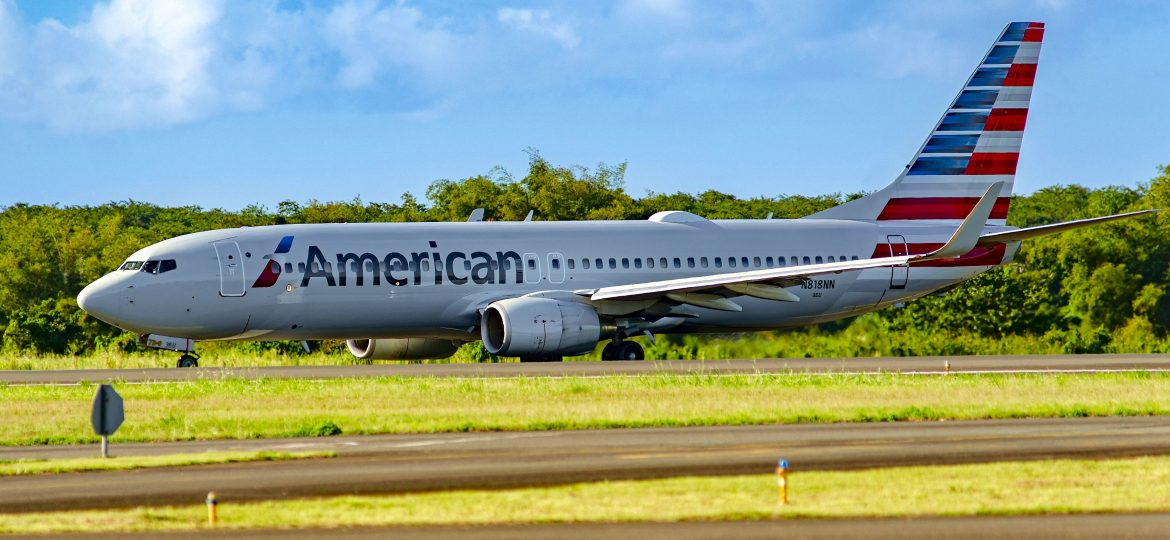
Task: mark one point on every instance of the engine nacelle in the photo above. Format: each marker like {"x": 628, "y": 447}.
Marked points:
{"x": 401, "y": 348}
{"x": 539, "y": 326}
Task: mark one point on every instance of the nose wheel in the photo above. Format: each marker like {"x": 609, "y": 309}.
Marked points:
{"x": 623, "y": 350}
{"x": 188, "y": 360}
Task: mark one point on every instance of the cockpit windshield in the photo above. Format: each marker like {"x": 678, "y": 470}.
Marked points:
{"x": 156, "y": 266}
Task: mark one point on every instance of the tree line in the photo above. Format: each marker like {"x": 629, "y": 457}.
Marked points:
{"x": 1091, "y": 290}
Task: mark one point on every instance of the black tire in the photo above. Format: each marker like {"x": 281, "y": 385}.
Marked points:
{"x": 187, "y": 361}
{"x": 607, "y": 352}
{"x": 631, "y": 350}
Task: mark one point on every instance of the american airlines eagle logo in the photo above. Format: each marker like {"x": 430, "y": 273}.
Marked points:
{"x": 272, "y": 268}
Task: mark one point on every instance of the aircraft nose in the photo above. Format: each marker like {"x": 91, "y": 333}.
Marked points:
{"x": 99, "y": 300}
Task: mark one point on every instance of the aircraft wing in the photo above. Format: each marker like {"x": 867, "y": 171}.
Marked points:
{"x": 769, "y": 283}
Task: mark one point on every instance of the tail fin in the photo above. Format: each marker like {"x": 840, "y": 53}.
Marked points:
{"x": 975, "y": 144}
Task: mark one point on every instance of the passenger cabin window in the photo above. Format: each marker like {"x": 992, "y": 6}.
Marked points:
{"x": 793, "y": 261}
{"x": 769, "y": 261}
{"x": 718, "y": 262}
{"x": 756, "y": 261}
{"x": 637, "y": 262}
{"x": 806, "y": 260}
{"x": 531, "y": 264}
{"x": 690, "y": 262}
{"x": 585, "y": 263}
{"x": 744, "y": 260}
{"x": 820, "y": 259}
{"x": 599, "y": 265}
{"x": 572, "y": 264}
{"x": 649, "y": 262}
{"x": 556, "y": 264}
{"x": 703, "y": 262}
{"x": 731, "y": 262}
{"x": 612, "y": 263}
{"x": 677, "y": 262}
{"x": 662, "y": 262}
{"x": 625, "y": 262}
{"x": 832, "y": 259}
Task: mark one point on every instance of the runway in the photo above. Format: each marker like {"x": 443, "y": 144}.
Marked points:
{"x": 413, "y": 463}
{"x": 921, "y": 365}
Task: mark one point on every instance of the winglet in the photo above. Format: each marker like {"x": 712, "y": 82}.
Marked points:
{"x": 969, "y": 231}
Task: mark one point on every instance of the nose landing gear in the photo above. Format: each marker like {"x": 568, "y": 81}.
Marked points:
{"x": 185, "y": 347}
{"x": 187, "y": 360}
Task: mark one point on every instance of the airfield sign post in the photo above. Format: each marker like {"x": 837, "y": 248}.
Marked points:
{"x": 107, "y": 414}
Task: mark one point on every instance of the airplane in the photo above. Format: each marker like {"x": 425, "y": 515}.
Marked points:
{"x": 541, "y": 291}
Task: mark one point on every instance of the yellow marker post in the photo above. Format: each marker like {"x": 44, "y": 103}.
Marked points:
{"x": 212, "y": 503}
{"x": 782, "y": 480}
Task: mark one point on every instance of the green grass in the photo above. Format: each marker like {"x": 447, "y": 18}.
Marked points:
{"x": 1039, "y": 487}
{"x": 116, "y": 463}
{"x": 239, "y": 408}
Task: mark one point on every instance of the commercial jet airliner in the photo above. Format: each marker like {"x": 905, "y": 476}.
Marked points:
{"x": 543, "y": 290}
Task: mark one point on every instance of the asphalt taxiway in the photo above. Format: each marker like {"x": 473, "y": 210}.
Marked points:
{"x": 413, "y": 463}
{"x": 921, "y": 364}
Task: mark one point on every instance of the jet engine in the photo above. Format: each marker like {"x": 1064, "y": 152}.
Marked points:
{"x": 528, "y": 326}
{"x": 401, "y": 348}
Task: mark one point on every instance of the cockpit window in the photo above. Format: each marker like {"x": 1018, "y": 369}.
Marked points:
{"x": 131, "y": 265}
{"x": 158, "y": 266}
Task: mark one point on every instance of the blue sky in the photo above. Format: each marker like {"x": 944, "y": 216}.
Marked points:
{"x": 223, "y": 104}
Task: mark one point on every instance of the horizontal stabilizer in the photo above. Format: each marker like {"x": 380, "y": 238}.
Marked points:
{"x": 1045, "y": 230}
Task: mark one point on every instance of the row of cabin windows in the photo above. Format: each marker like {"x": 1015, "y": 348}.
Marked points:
{"x": 625, "y": 262}
{"x": 702, "y": 262}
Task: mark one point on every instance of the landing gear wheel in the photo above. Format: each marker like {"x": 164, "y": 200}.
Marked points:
{"x": 630, "y": 350}
{"x": 188, "y": 360}
{"x": 607, "y": 352}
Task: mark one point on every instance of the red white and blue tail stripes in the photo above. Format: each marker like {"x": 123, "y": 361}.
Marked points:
{"x": 977, "y": 141}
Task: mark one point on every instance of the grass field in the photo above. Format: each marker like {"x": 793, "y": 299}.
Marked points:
{"x": 114, "y": 463}
{"x": 1064, "y": 486}
{"x": 239, "y": 408}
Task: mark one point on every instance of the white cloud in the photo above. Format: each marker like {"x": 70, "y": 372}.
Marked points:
{"x": 539, "y": 21}
{"x": 372, "y": 39}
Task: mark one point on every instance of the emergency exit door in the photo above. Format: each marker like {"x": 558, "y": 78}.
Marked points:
{"x": 899, "y": 274}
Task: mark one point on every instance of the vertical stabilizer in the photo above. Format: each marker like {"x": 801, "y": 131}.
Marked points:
{"x": 974, "y": 145}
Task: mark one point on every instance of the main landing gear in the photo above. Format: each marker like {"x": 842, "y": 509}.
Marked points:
{"x": 619, "y": 349}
